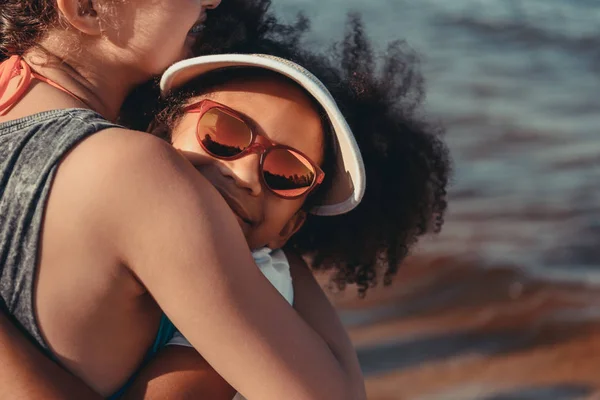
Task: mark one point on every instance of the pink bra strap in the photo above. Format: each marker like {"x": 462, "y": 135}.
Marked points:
{"x": 14, "y": 67}
{"x": 10, "y": 69}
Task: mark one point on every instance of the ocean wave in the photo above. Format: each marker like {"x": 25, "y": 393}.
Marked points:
{"x": 524, "y": 32}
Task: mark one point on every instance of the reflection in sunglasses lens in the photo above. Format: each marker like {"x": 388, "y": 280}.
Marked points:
{"x": 222, "y": 134}
{"x": 287, "y": 173}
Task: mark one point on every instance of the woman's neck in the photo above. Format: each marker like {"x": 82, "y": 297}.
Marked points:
{"x": 100, "y": 86}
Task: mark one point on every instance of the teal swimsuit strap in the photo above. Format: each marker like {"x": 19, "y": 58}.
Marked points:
{"x": 166, "y": 330}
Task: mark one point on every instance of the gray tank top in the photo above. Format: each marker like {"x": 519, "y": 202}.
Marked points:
{"x": 30, "y": 151}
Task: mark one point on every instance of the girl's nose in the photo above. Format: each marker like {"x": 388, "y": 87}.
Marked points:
{"x": 245, "y": 172}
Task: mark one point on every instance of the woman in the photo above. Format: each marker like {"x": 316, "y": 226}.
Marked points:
{"x": 180, "y": 372}
{"x": 56, "y": 131}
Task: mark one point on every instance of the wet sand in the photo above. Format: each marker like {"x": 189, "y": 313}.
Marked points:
{"x": 449, "y": 329}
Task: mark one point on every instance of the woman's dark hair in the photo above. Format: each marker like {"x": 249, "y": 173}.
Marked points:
{"x": 23, "y": 23}
{"x": 407, "y": 164}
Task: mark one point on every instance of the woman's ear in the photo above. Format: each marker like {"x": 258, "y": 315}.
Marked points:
{"x": 81, "y": 15}
{"x": 289, "y": 229}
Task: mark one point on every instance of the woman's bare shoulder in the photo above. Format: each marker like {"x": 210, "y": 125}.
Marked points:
{"x": 118, "y": 175}
{"x": 115, "y": 157}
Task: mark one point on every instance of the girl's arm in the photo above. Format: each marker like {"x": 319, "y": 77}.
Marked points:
{"x": 179, "y": 373}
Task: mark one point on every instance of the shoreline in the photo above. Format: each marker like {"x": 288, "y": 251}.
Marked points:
{"x": 449, "y": 329}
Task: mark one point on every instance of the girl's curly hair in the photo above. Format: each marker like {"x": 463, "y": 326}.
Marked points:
{"x": 407, "y": 163}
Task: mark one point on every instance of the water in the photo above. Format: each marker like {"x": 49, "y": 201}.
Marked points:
{"x": 517, "y": 85}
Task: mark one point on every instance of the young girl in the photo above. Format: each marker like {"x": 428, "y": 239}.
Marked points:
{"x": 91, "y": 213}
{"x": 272, "y": 168}
{"x": 218, "y": 112}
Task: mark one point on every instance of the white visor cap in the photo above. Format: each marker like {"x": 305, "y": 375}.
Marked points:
{"x": 348, "y": 181}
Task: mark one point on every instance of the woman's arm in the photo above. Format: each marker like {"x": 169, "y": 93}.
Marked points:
{"x": 168, "y": 215}
{"x": 249, "y": 332}
{"x": 25, "y": 373}
{"x": 160, "y": 212}
{"x": 180, "y": 373}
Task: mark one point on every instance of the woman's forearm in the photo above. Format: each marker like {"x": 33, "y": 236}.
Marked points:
{"x": 25, "y": 373}
{"x": 212, "y": 290}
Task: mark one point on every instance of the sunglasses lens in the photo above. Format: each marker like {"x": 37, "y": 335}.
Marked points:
{"x": 287, "y": 173}
{"x": 222, "y": 134}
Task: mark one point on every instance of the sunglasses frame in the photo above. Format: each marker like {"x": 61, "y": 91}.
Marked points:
{"x": 203, "y": 106}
